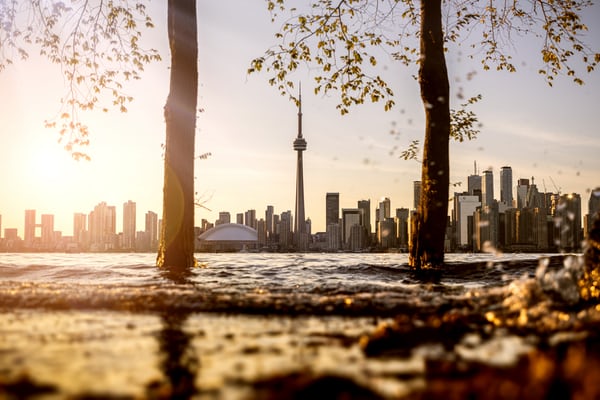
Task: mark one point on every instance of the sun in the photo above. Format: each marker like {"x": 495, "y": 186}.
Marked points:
{"x": 50, "y": 164}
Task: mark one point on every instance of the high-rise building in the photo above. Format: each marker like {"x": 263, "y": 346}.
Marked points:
{"x": 522, "y": 189}
{"x": 487, "y": 188}
{"x": 47, "y": 236}
{"x": 594, "y": 201}
{"x": 299, "y": 217}
{"x": 129, "y": 225}
{"x": 365, "y": 206}
{"x": 332, "y": 208}
{"x": 250, "y": 218}
{"x": 239, "y": 218}
{"x": 285, "y": 229}
{"x": 80, "y": 229}
{"x": 568, "y": 222}
{"x": 506, "y": 194}
{"x": 402, "y": 218}
{"x": 30, "y": 226}
{"x": 474, "y": 183}
{"x": 350, "y": 217}
{"x": 151, "y": 229}
{"x": 270, "y": 226}
{"x": 593, "y": 210}
{"x": 224, "y": 218}
{"x": 102, "y": 223}
{"x": 464, "y": 208}
{"x": 384, "y": 210}
{"x": 416, "y": 194}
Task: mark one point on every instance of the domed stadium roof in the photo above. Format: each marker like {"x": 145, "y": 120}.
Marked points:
{"x": 230, "y": 233}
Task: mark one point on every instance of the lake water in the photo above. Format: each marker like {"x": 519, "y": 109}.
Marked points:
{"x": 361, "y": 283}
{"x": 115, "y": 326}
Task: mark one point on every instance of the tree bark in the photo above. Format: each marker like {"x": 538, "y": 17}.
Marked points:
{"x": 176, "y": 247}
{"x": 427, "y": 237}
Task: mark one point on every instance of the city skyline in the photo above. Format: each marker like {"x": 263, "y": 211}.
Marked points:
{"x": 550, "y": 133}
{"x": 330, "y": 204}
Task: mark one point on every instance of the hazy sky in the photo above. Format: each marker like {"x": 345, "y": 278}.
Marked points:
{"x": 549, "y": 133}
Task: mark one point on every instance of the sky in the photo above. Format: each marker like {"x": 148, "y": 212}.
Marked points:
{"x": 550, "y": 134}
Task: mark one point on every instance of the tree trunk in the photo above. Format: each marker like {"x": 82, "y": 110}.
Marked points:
{"x": 176, "y": 247}
{"x": 427, "y": 237}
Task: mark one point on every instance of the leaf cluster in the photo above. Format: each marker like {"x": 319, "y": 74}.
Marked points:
{"x": 338, "y": 40}
{"x": 342, "y": 41}
{"x": 95, "y": 43}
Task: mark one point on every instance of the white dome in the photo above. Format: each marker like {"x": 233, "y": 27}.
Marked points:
{"x": 230, "y": 233}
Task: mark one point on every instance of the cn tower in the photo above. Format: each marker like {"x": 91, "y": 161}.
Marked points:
{"x": 299, "y": 146}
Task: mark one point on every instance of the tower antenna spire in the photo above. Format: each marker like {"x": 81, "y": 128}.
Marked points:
{"x": 299, "y": 217}
{"x": 300, "y": 109}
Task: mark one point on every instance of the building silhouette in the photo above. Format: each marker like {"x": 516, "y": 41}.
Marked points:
{"x": 300, "y": 234}
{"x": 129, "y": 225}
{"x": 416, "y": 194}
{"x": 506, "y": 194}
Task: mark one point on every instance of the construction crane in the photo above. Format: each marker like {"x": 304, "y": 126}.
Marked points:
{"x": 555, "y": 187}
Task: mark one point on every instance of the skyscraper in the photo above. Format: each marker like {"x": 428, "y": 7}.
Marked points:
{"x": 270, "y": 227}
{"x": 80, "y": 229}
{"x": 522, "y": 189}
{"x": 151, "y": 229}
{"x": 299, "y": 218}
{"x": 365, "y": 205}
{"x": 332, "y": 208}
{"x": 129, "y": 225}
{"x": 416, "y": 194}
{"x": 29, "y": 227}
{"x": 506, "y": 194}
{"x": 47, "y": 236}
{"x": 487, "y": 188}
{"x": 474, "y": 182}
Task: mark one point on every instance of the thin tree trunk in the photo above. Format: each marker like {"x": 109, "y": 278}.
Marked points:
{"x": 176, "y": 247}
{"x": 427, "y": 237}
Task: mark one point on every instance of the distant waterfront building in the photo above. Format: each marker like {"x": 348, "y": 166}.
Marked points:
{"x": 487, "y": 188}
{"x": 129, "y": 225}
{"x": 474, "y": 183}
{"x": 402, "y": 220}
{"x": 285, "y": 229}
{"x": 250, "y": 218}
{"x": 29, "y": 236}
{"x": 332, "y": 208}
{"x": 534, "y": 198}
{"x": 239, "y": 218}
{"x": 522, "y": 189}
{"x": 568, "y": 222}
{"x": 384, "y": 211}
{"x": 386, "y": 233}
{"x": 47, "y": 236}
{"x": 224, "y": 218}
{"x": 416, "y": 194}
{"x": 269, "y": 221}
{"x": 350, "y": 218}
{"x": 334, "y": 239}
{"x": 486, "y": 227}
{"x": 506, "y": 194}
{"x": 151, "y": 229}
{"x": 593, "y": 209}
{"x": 465, "y": 206}
{"x": 261, "y": 229}
{"x": 80, "y": 230}
{"x": 365, "y": 206}
{"x": 102, "y": 227}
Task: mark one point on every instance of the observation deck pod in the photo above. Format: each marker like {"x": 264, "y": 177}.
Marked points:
{"x": 300, "y": 144}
